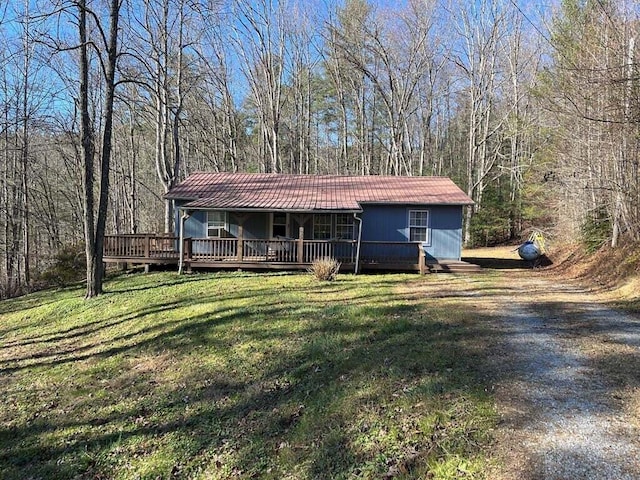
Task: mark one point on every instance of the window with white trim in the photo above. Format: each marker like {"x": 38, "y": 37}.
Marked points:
{"x": 216, "y": 224}
{"x": 344, "y": 226}
{"x": 418, "y": 225}
{"x": 322, "y": 227}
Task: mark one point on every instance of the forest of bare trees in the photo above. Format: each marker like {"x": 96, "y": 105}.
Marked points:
{"x": 105, "y": 104}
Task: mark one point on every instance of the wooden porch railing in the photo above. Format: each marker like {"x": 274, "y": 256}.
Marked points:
{"x": 393, "y": 255}
{"x": 139, "y": 248}
{"x": 144, "y": 245}
{"x": 259, "y": 250}
{"x": 390, "y": 252}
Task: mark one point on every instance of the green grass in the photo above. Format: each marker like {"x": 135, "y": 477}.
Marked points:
{"x": 243, "y": 376}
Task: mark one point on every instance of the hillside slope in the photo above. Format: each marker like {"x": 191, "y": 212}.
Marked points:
{"x": 242, "y": 376}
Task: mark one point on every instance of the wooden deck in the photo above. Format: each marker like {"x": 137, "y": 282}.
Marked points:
{"x": 226, "y": 253}
{"x": 278, "y": 254}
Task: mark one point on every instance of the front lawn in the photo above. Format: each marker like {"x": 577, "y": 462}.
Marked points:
{"x": 243, "y": 376}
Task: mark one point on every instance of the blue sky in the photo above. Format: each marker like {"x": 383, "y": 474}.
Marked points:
{"x": 49, "y": 84}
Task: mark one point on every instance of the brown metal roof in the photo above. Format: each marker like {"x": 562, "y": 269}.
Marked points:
{"x": 310, "y": 193}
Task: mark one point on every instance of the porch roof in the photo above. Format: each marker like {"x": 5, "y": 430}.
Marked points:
{"x": 312, "y": 193}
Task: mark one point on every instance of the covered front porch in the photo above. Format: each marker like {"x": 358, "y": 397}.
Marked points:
{"x": 268, "y": 254}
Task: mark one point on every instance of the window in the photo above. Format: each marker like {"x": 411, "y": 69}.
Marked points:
{"x": 418, "y": 225}
{"x": 344, "y": 226}
{"x": 279, "y": 228}
{"x": 216, "y": 224}
{"x": 322, "y": 227}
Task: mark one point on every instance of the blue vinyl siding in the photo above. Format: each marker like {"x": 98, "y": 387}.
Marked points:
{"x": 391, "y": 224}
{"x": 382, "y": 223}
{"x": 196, "y": 225}
{"x": 446, "y": 233}
{"x": 256, "y": 225}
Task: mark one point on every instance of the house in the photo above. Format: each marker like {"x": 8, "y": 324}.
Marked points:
{"x": 251, "y": 220}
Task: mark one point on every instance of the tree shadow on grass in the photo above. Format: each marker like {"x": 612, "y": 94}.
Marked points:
{"x": 90, "y": 327}
{"x": 321, "y": 395}
{"x": 155, "y": 282}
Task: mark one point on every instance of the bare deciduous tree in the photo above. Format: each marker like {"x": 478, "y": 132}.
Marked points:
{"x": 261, "y": 40}
{"x": 106, "y": 49}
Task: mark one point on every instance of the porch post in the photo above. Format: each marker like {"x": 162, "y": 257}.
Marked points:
{"x": 301, "y": 244}
{"x": 147, "y": 251}
{"x": 183, "y": 218}
{"x": 188, "y": 252}
{"x": 240, "y": 240}
{"x": 422, "y": 259}
{"x": 356, "y": 268}
{"x": 147, "y": 246}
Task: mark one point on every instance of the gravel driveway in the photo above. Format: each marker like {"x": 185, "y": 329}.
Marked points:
{"x": 563, "y": 370}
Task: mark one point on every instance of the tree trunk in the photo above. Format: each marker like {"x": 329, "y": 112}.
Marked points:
{"x": 25, "y": 154}
{"x": 95, "y": 228}
{"x": 88, "y": 152}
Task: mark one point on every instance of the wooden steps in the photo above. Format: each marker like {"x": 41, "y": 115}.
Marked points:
{"x": 453, "y": 266}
